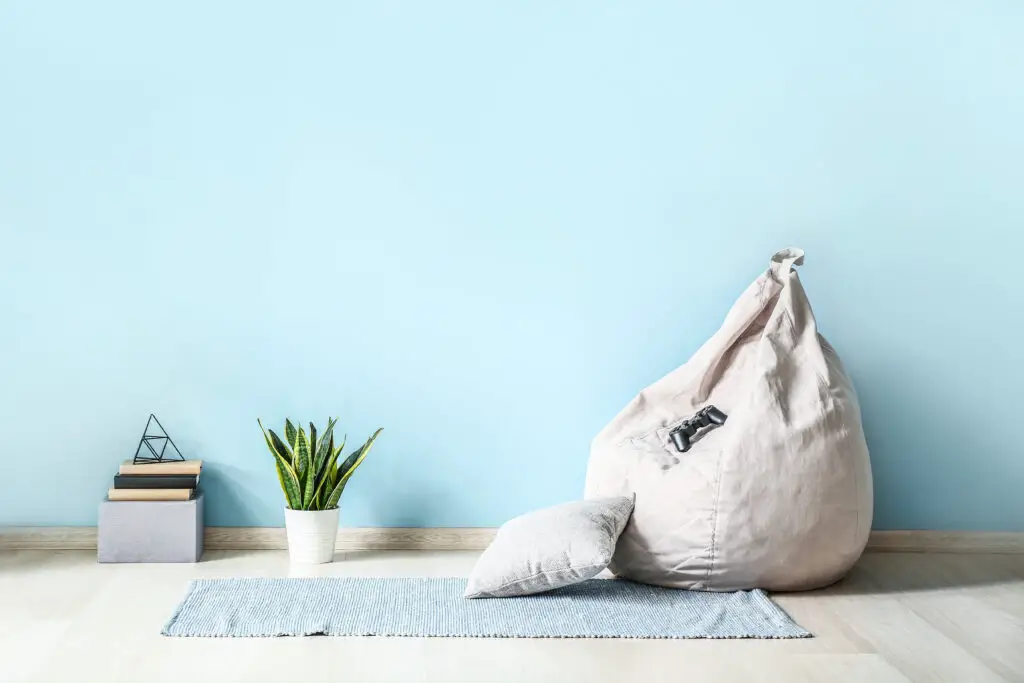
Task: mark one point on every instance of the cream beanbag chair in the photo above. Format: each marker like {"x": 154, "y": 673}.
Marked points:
{"x": 769, "y": 488}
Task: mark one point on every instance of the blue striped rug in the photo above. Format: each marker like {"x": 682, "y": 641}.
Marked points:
{"x": 250, "y": 608}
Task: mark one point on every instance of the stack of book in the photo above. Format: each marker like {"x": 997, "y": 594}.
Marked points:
{"x": 171, "y": 480}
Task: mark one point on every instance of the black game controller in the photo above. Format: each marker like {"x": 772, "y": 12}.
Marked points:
{"x": 705, "y": 417}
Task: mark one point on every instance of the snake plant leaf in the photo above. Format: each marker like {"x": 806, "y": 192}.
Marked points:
{"x": 332, "y": 474}
{"x": 309, "y": 480}
{"x": 356, "y": 458}
{"x": 301, "y": 453}
{"x": 335, "y": 495}
{"x": 323, "y": 479}
{"x": 312, "y": 439}
{"x": 289, "y": 433}
{"x": 345, "y": 471}
{"x": 274, "y": 442}
{"x": 266, "y": 437}
{"x": 308, "y": 488}
{"x": 328, "y": 478}
{"x": 281, "y": 448}
{"x": 317, "y": 499}
{"x": 347, "y": 464}
{"x": 324, "y": 448}
{"x": 322, "y": 466}
{"x": 289, "y": 483}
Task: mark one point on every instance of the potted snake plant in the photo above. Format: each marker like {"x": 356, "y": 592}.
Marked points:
{"x": 312, "y": 479}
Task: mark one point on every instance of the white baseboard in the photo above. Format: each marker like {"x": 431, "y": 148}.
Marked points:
{"x": 48, "y": 538}
{"x": 368, "y": 538}
{"x": 264, "y": 538}
{"x": 922, "y": 541}
{"x": 470, "y": 538}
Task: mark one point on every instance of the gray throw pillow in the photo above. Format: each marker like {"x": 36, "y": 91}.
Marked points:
{"x": 549, "y": 548}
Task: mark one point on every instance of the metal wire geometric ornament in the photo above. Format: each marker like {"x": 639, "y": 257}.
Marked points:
{"x": 160, "y": 439}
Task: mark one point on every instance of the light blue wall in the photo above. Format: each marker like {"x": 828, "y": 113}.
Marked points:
{"x": 486, "y": 225}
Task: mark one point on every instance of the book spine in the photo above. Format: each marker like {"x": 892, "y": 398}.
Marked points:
{"x": 150, "y": 494}
{"x": 155, "y": 481}
{"x": 170, "y": 467}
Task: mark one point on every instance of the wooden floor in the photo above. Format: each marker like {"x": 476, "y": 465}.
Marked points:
{"x": 898, "y": 617}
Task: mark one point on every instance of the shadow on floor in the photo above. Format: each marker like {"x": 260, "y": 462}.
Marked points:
{"x": 884, "y": 573}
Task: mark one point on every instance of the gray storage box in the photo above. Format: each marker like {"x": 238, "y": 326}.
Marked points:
{"x": 151, "y": 531}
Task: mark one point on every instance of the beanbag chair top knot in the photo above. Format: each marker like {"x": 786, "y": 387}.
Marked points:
{"x": 748, "y": 463}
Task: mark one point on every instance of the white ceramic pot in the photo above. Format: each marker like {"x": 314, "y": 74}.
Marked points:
{"x": 311, "y": 534}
